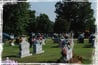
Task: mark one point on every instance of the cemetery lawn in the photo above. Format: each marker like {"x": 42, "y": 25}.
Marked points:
{"x": 51, "y": 55}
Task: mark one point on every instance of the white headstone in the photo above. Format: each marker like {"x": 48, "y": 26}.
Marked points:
{"x": 24, "y": 48}
{"x": 43, "y": 41}
{"x": 12, "y": 44}
{"x": 68, "y": 48}
{"x": 38, "y": 47}
{"x": 12, "y": 40}
{"x": 70, "y": 51}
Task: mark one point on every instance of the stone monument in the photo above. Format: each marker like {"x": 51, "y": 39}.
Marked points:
{"x": 24, "y": 48}
{"x": 43, "y": 41}
{"x": 37, "y": 47}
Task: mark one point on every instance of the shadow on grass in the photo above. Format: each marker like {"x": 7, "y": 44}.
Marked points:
{"x": 57, "y": 46}
{"x": 87, "y": 61}
{"x": 47, "y": 62}
{"x": 88, "y": 46}
{"x": 11, "y": 56}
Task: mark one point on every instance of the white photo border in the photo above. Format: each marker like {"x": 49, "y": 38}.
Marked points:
{"x": 94, "y": 56}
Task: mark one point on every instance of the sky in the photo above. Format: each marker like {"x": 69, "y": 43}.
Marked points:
{"x": 44, "y": 7}
{"x": 49, "y": 8}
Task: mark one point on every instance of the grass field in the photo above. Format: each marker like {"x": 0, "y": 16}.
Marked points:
{"x": 52, "y": 53}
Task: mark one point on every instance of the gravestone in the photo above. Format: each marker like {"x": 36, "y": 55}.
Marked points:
{"x": 67, "y": 46}
{"x": 37, "y": 47}
{"x": 12, "y": 40}
{"x": 43, "y": 41}
{"x": 24, "y": 48}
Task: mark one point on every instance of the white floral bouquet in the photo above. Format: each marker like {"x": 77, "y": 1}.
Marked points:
{"x": 9, "y": 62}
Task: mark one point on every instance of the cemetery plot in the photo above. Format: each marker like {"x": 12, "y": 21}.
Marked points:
{"x": 19, "y": 18}
{"x": 52, "y": 53}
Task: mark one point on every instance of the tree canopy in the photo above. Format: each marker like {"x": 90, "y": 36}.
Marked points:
{"x": 44, "y": 24}
{"x": 19, "y": 19}
{"x": 15, "y": 17}
{"x": 78, "y": 16}
{"x": 70, "y": 16}
{"x": 32, "y": 22}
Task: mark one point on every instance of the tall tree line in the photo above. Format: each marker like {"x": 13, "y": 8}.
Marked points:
{"x": 74, "y": 16}
{"x": 19, "y": 19}
{"x": 15, "y": 17}
{"x": 70, "y": 16}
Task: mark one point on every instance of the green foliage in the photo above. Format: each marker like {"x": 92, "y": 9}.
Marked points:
{"x": 18, "y": 19}
{"x": 61, "y": 25}
{"x": 44, "y": 24}
{"x": 15, "y": 17}
{"x": 32, "y": 22}
{"x": 79, "y": 15}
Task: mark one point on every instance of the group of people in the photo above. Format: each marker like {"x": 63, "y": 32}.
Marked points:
{"x": 33, "y": 38}
{"x": 91, "y": 38}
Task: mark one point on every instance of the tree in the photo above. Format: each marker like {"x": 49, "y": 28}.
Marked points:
{"x": 61, "y": 25}
{"x": 15, "y": 18}
{"x": 77, "y": 15}
{"x": 32, "y": 22}
{"x": 44, "y": 25}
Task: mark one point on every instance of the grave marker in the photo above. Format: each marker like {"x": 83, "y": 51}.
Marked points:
{"x": 37, "y": 47}
{"x": 24, "y": 48}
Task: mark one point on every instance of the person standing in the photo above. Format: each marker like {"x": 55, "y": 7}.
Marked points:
{"x": 81, "y": 38}
{"x": 92, "y": 39}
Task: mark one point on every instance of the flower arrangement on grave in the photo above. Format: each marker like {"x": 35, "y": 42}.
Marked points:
{"x": 18, "y": 40}
{"x": 9, "y": 62}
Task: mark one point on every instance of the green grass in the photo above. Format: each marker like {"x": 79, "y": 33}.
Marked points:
{"x": 52, "y": 53}
{"x": 84, "y": 50}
